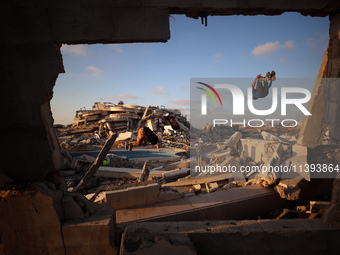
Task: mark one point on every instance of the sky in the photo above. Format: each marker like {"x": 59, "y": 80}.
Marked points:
{"x": 159, "y": 73}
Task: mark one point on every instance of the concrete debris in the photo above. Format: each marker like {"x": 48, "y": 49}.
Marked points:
{"x": 230, "y": 185}
{"x": 90, "y": 127}
{"x": 140, "y": 196}
{"x": 232, "y": 141}
{"x": 211, "y": 187}
{"x": 289, "y": 188}
{"x": 175, "y": 174}
{"x": 138, "y": 240}
{"x": 271, "y": 137}
{"x": 218, "y": 205}
{"x": 208, "y": 177}
{"x": 120, "y": 173}
{"x": 199, "y": 180}
{"x": 299, "y": 158}
{"x": 319, "y": 205}
{"x": 145, "y": 173}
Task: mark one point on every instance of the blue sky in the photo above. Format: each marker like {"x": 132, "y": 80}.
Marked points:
{"x": 159, "y": 73}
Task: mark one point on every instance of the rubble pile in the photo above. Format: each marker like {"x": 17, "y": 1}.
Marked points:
{"x": 216, "y": 173}
{"x": 90, "y": 128}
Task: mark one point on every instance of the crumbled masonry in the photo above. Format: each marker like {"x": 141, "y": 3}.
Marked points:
{"x": 176, "y": 210}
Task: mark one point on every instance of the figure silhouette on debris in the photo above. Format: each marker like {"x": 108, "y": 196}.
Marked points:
{"x": 144, "y": 136}
{"x": 261, "y": 85}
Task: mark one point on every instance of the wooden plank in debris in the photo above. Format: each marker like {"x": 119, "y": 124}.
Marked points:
{"x": 98, "y": 162}
{"x": 193, "y": 181}
{"x": 120, "y": 172}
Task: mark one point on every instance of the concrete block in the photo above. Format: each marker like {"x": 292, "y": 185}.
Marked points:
{"x": 124, "y": 136}
{"x": 271, "y": 137}
{"x": 197, "y": 187}
{"x": 211, "y": 187}
{"x": 137, "y": 196}
{"x": 118, "y": 199}
{"x": 121, "y": 172}
{"x": 289, "y": 188}
{"x": 176, "y": 173}
{"x": 258, "y": 150}
{"x": 233, "y": 140}
{"x": 152, "y": 193}
{"x": 219, "y": 205}
{"x": 298, "y": 159}
{"x": 133, "y": 196}
{"x": 144, "y": 241}
{"x": 92, "y": 236}
{"x": 166, "y": 195}
{"x": 151, "y": 125}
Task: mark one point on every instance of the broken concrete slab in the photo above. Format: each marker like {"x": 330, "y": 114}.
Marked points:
{"x": 92, "y": 236}
{"x": 211, "y": 187}
{"x": 145, "y": 173}
{"x": 286, "y": 235}
{"x": 29, "y": 217}
{"x": 258, "y": 150}
{"x": 139, "y": 196}
{"x": 133, "y": 196}
{"x": 138, "y": 240}
{"x": 199, "y": 180}
{"x": 178, "y": 173}
{"x": 216, "y": 205}
{"x": 121, "y": 172}
{"x": 185, "y": 163}
{"x": 299, "y": 161}
{"x": 232, "y": 141}
{"x": 318, "y": 205}
{"x": 271, "y": 170}
{"x": 271, "y": 137}
{"x": 289, "y": 188}
{"x": 218, "y": 154}
{"x": 125, "y": 136}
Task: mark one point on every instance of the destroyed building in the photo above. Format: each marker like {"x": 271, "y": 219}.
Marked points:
{"x": 39, "y": 215}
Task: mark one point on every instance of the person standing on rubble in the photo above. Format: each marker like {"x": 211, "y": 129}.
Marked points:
{"x": 171, "y": 120}
{"x": 263, "y": 85}
{"x": 144, "y": 136}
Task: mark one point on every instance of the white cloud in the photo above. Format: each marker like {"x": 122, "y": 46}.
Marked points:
{"x": 159, "y": 90}
{"x": 121, "y": 96}
{"x": 180, "y": 102}
{"x": 79, "y": 50}
{"x": 217, "y": 57}
{"x": 95, "y": 71}
{"x": 271, "y": 47}
{"x": 117, "y": 48}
